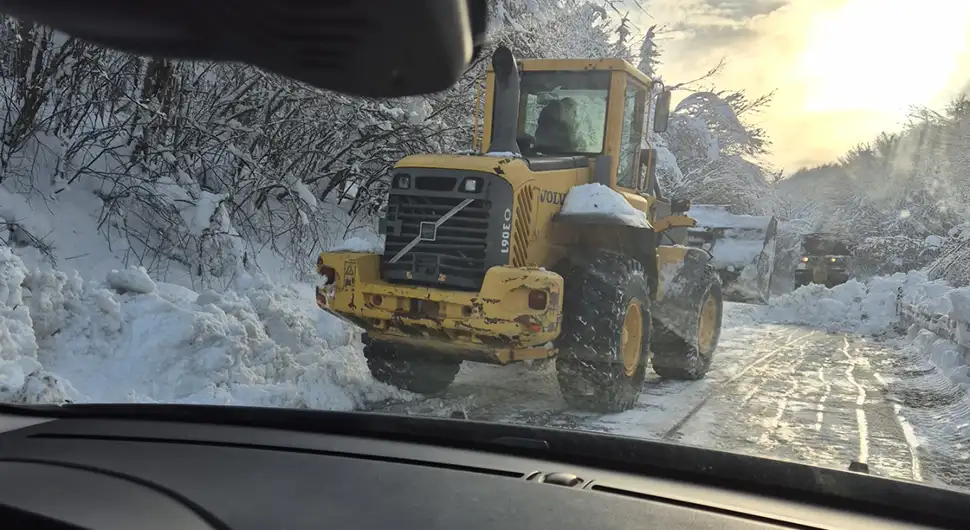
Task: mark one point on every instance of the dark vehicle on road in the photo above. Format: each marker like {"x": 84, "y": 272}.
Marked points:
{"x": 825, "y": 260}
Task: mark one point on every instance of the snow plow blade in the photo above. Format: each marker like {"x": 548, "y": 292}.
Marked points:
{"x": 742, "y": 248}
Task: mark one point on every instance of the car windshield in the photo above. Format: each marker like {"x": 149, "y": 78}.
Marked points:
{"x": 210, "y": 233}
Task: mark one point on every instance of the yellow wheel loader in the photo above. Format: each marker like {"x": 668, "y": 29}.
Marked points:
{"x": 825, "y": 260}
{"x": 482, "y": 263}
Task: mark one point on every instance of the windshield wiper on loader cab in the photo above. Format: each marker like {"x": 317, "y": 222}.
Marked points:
{"x": 818, "y": 486}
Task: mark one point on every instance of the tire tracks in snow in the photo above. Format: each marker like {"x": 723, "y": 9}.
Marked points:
{"x": 787, "y": 392}
{"x": 820, "y": 405}
{"x": 862, "y": 425}
{"x": 790, "y": 393}
{"x": 885, "y": 441}
{"x": 528, "y": 396}
{"x": 812, "y": 403}
{"x": 758, "y": 419}
{"x": 720, "y": 389}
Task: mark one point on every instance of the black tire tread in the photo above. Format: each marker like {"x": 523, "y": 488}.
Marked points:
{"x": 589, "y": 346}
{"x": 403, "y": 367}
{"x": 678, "y": 358}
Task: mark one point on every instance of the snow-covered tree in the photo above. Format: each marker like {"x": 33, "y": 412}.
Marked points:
{"x": 207, "y": 165}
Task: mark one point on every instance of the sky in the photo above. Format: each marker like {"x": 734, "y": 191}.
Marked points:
{"x": 842, "y": 70}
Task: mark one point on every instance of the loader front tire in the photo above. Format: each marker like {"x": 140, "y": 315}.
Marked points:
{"x": 405, "y": 368}
{"x": 604, "y": 344}
{"x": 689, "y": 357}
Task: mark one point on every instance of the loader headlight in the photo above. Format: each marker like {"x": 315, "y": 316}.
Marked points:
{"x": 804, "y": 259}
{"x": 402, "y": 182}
{"x": 472, "y": 185}
{"x": 833, "y": 260}
{"x": 538, "y": 299}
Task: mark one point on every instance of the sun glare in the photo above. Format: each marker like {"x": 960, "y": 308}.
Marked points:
{"x": 883, "y": 55}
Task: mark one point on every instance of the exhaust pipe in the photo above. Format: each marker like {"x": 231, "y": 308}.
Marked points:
{"x": 505, "y": 103}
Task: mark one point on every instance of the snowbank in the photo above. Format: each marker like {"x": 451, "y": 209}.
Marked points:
{"x": 132, "y": 339}
{"x": 867, "y": 308}
{"x": 945, "y": 355}
{"x": 877, "y": 305}
{"x": 22, "y": 378}
{"x": 937, "y": 307}
{"x": 600, "y": 200}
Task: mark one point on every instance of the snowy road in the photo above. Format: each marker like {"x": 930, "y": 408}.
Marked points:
{"x": 775, "y": 390}
{"x": 795, "y": 392}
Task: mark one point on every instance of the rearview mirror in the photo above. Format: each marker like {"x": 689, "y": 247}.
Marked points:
{"x": 662, "y": 112}
{"x": 323, "y": 44}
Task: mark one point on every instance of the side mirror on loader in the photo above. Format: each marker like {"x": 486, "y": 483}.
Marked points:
{"x": 662, "y": 112}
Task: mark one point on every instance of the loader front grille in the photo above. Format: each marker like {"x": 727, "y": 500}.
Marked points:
{"x": 462, "y": 248}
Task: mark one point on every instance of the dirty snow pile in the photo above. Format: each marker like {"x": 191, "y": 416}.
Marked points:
{"x": 132, "y": 339}
{"x": 601, "y": 201}
{"x": 943, "y": 354}
{"x": 868, "y": 308}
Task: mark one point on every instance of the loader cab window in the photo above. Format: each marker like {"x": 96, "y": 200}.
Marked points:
{"x": 628, "y": 170}
{"x": 565, "y": 112}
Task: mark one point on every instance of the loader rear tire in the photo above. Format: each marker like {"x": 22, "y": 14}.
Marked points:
{"x": 405, "y": 368}
{"x": 689, "y": 358}
{"x": 604, "y": 344}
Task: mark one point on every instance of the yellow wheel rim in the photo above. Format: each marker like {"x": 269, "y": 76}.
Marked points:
{"x": 707, "y": 327}
{"x": 632, "y": 337}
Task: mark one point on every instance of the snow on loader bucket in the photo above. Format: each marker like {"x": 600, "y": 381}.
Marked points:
{"x": 743, "y": 250}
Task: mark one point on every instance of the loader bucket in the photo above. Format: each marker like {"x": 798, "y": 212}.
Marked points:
{"x": 742, "y": 248}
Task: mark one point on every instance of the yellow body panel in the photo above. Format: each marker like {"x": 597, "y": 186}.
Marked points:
{"x": 638, "y": 201}
{"x": 610, "y": 64}
{"x": 488, "y": 164}
{"x": 673, "y": 221}
{"x": 496, "y": 321}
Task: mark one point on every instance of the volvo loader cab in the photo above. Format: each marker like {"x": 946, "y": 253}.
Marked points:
{"x": 480, "y": 263}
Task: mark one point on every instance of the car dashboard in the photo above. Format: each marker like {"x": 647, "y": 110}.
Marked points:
{"x": 102, "y": 472}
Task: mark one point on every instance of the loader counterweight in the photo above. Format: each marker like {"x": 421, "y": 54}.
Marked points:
{"x": 497, "y": 324}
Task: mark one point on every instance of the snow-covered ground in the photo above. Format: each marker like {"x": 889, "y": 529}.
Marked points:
{"x": 867, "y": 308}
{"x": 791, "y": 379}
{"x": 127, "y": 338}
{"x": 818, "y": 376}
